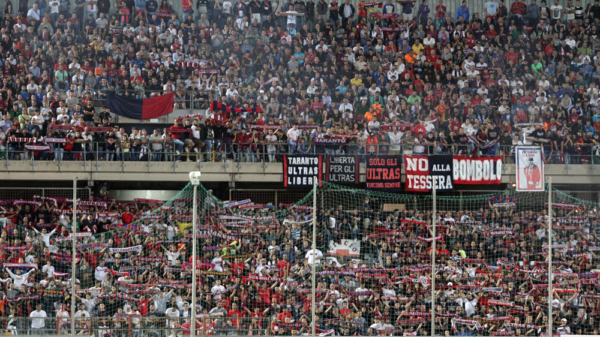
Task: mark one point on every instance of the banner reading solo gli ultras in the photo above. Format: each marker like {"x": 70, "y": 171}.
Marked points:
{"x": 472, "y": 171}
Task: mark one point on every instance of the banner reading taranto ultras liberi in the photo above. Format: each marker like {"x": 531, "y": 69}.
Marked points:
{"x": 384, "y": 172}
{"x": 299, "y": 171}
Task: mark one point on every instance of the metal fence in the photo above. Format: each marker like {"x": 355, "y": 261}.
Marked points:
{"x": 25, "y": 193}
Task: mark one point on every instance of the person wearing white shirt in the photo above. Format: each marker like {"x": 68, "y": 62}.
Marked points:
{"x": 48, "y": 269}
{"x": 173, "y": 256}
{"x": 232, "y": 92}
{"x": 101, "y": 272}
{"x": 62, "y": 315}
{"x": 19, "y": 280}
{"x": 395, "y": 139}
{"x": 291, "y": 16}
{"x": 346, "y": 106}
{"x": 45, "y": 236}
{"x": 217, "y": 290}
{"x": 54, "y": 6}
{"x": 314, "y": 258}
{"x": 429, "y": 41}
{"x": 38, "y": 319}
{"x": 34, "y": 13}
{"x": 218, "y": 262}
{"x": 293, "y": 135}
{"x": 172, "y": 315}
{"x": 271, "y": 139}
{"x": 91, "y": 7}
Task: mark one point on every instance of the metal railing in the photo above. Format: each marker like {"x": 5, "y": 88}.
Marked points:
{"x": 131, "y": 324}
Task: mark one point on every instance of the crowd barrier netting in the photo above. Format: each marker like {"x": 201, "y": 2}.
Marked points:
{"x": 374, "y": 273}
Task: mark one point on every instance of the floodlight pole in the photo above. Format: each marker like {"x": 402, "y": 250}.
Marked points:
{"x": 314, "y": 257}
{"x": 194, "y": 179}
{"x": 74, "y": 255}
{"x": 433, "y": 223}
{"x": 550, "y": 272}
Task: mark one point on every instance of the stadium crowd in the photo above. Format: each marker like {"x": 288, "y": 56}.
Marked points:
{"x": 255, "y": 266}
{"x": 377, "y": 77}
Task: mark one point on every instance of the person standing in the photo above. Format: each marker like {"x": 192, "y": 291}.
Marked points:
{"x": 407, "y": 11}
{"x": 347, "y": 11}
{"x": 533, "y": 14}
{"x": 556, "y": 11}
{"x": 579, "y": 12}
{"x": 38, "y": 320}
{"x": 440, "y": 14}
{"x": 293, "y": 135}
{"x": 322, "y": 8}
{"x": 424, "y": 13}
{"x": 569, "y": 12}
{"x": 92, "y": 8}
{"x": 491, "y": 9}
{"x": 463, "y": 11}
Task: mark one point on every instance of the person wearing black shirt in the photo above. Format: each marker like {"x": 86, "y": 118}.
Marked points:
{"x": 430, "y": 143}
{"x": 462, "y": 140}
{"x": 505, "y": 142}
{"x": 88, "y": 113}
{"x": 492, "y": 133}
{"x": 588, "y": 143}
{"x": 596, "y": 9}
{"x": 548, "y": 146}
{"x": 255, "y": 10}
{"x": 78, "y": 146}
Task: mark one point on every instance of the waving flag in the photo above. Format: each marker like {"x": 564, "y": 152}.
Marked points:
{"x": 134, "y": 108}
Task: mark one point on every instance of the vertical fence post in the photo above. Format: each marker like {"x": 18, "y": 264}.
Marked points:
{"x": 74, "y": 256}
{"x": 194, "y": 229}
{"x": 314, "y": 256}
{"x": 433, "y": 221}
{"x": 129, "y": 326}
{"x": 550, "y": 273}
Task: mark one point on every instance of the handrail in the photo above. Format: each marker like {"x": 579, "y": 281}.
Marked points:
{"x": 239, "y": 151}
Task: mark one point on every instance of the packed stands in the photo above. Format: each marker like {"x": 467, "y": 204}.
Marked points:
{"x": 394, "y": 77}
{"x": 374, "y": 269}
{"x": 304, "y": 77}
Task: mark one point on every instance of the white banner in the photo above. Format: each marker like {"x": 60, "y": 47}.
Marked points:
{"x": 530, "y": 169}
{"x": 344, "y": 248}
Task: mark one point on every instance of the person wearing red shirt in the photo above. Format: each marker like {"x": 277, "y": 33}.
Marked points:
{"x": 344, "y": 310}
{"x": 92, "y": 258}
{"x": 237, "y": 266}
{"x": 265, "y": 294}
{"x": 512, "y": 56}
{"x": 175, "y": 132}
{"x": 470, "y": 40}
{"x": 284, "y": 267}
{"x": 127, "y": 216}
{"x": 419, "y": 129}
{"x": 143, "y": 305}
{"x": 284, "y": 314}
{"x": 235, "y": 313}
{"x": 518, "y": 8}
{"x": 186, "y": 327}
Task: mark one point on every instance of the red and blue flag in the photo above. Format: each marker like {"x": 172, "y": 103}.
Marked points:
{"x": 134, "y": 108}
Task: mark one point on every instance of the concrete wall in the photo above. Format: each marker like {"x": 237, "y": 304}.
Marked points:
{"x": 144, "y": 194}
{"x": 222, "y": 172}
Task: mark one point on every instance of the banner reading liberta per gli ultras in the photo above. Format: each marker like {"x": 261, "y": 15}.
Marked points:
{"x": 474, "y": 171}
